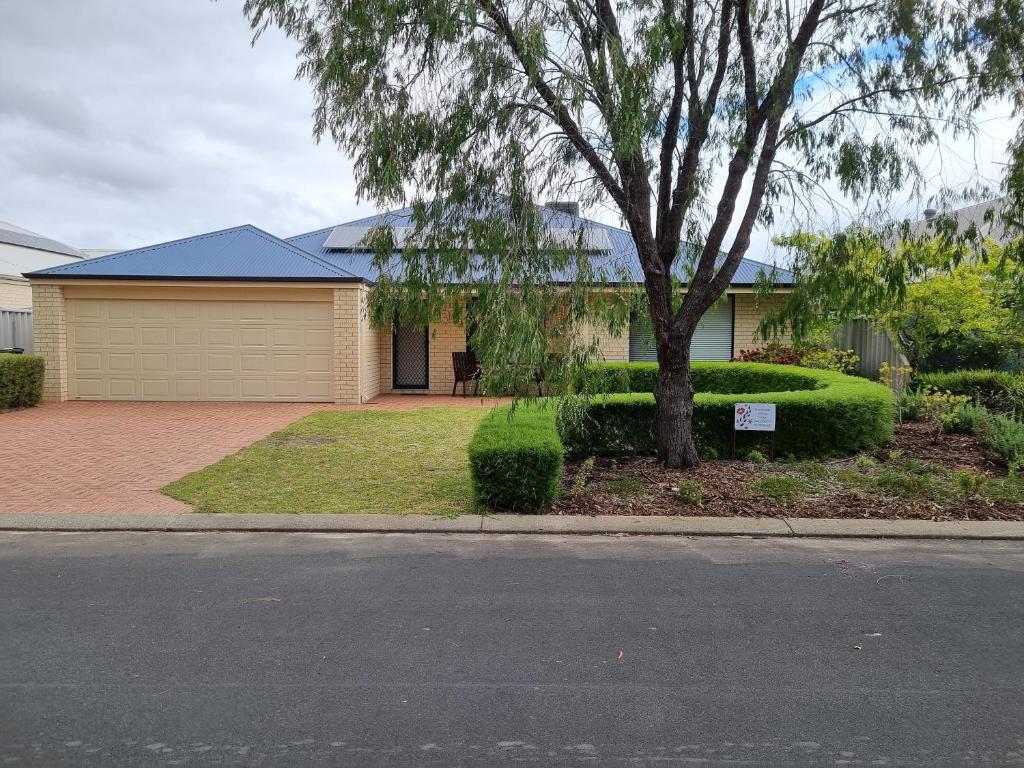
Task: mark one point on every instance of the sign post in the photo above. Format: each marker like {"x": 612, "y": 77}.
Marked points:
{"x": 754, "y": 417}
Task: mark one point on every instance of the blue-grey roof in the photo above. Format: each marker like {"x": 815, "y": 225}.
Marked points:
{"x": 621, "y": 262}
{"x": 249, "y": 253}
{"x": 239, "y": 253}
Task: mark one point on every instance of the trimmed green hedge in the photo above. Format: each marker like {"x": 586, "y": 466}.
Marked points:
{"x": 819, "y": 413}
{"x": 736, "y": 378}
{"x": 21, "y": 381}
{"x": 997, "y": 390}
{"x": 516, "y": 458}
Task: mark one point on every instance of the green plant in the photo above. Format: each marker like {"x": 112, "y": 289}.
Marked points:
{"x": 21, "y": 380}
{"x": 864, "y": 462}
{"x": 1005, "y": 436}
{"x": 998, "y": 391}
{"x": 968, "y": 483}
{"x": 780, "y": 487}
{"x": 579, "y": 483}
{"x": 831, "y": 359}
{"x": 965, "y": 419}
{"x": 910, "y": 479}
{"x": 757, "y": 457}
{"x": 625, "y": 487}
{"x": 818, "y": 413}
{"x": 911, "y": 403}
{"x": 690, "y": 492}
{"x": 516, "y": 458}
{"x": 939, "y": 406}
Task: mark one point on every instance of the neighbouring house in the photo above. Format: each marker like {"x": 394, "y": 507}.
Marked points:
{"x": 24, "y": 251}
{"x": 989, "y": 217}
{"x": 240, "y": 314}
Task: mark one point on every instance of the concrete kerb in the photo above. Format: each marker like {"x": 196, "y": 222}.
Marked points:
{"x": 523, "y": 524}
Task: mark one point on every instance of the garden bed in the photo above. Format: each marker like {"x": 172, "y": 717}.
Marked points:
{"x": 910, "y": 478}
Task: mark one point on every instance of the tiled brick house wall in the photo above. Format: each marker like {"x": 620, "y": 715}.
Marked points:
{"x": 15, "y": 293}
{"x": 50, "y": 338}
{"x": 748, "y": 313}
{"x": 362, "y": 354}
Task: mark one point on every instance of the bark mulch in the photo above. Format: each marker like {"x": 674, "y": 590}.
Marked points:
{"x": 640, "y": 486}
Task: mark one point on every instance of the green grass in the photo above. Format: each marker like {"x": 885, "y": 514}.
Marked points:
{"x": 346, "y": 462}
{"x": 625, "y": 487}
{"x": 780, "y": 487}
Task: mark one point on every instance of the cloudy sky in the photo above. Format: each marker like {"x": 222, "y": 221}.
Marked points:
{"x": 129, "y": 122}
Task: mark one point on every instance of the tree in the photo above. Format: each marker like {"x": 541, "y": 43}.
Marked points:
{"x": 944, "y": 301}
{"x": 694, "y": 119}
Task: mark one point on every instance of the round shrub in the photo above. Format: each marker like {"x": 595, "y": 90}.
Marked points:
{"x": 21, "y": 380}
{"x": 818, "y": 412}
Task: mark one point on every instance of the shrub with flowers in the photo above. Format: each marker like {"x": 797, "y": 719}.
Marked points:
{"x": 823, "y": 358}
{"x": 772, "y": 352}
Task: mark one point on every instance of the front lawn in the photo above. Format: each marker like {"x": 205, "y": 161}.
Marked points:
{"x": 345, "y": 462}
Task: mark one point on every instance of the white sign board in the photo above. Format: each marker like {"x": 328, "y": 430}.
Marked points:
{"x": 755, "y": 417}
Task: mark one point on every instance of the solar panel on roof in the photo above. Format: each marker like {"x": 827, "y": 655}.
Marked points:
{"x": 354, "y": 238}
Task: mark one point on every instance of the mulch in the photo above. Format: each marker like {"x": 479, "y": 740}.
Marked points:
{"x": 726, "y": 492}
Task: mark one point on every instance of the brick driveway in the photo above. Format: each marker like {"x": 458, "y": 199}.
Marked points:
{"x": 112, "y": 457}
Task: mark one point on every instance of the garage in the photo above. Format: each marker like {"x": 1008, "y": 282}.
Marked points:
{"x": 179, "y": 349}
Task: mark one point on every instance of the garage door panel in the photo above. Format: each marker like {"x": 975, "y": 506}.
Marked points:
{"x": 118, "y": 336}
{"x": 199, "y": 350}
{"x": 85, "y": 336}
{"x": 122, "y": 361}
{"x": 220, "y": 362}
{"x": 188, "y": 336}
{"x": 191, "y": 361}
{"x": 89, "y": 361}
{"x": 221, "y": 336}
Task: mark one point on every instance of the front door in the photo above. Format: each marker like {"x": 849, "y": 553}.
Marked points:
{"x": 410, "y": 349}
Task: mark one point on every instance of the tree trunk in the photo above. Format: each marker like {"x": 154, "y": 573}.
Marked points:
{"x": 674, "y": 413}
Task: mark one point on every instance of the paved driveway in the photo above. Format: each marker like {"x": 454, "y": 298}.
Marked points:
{"x": 112, "y": 457}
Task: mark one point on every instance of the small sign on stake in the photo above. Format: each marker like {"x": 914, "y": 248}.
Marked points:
{"x": 754, "y": 417}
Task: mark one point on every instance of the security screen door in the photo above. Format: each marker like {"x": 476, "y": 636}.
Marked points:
{"x": 410, "y": 347}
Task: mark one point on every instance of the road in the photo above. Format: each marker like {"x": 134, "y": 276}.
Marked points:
{"x": 309, "y": 649}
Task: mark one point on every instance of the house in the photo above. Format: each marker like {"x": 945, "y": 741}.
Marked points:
{"x": 240, "y": 314}
{"x": 991, "y": 219}
{"x": 24, "y": 251}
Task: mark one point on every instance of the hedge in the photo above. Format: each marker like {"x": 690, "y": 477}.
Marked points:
{"x": 516, "y": 458}
{"x": 21, "y": 380}
{"x": 831, "y": 414}
{"x": 996, "y": 390}
{"x": 736, "y": 378}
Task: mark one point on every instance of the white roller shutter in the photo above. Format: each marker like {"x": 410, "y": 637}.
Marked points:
{"x": 712, "y": 340}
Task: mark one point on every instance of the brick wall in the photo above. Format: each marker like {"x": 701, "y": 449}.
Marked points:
{"x": 611, "y": 348}
{"x": 50, "y": 338}
{"x": 346, "y": 345}
{"x": 369, "y": 350}
{"x": 749, "y": 311}
{"x": 15, "y": 294}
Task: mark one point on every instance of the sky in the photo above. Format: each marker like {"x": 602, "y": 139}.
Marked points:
{"x": 126, "y": 123}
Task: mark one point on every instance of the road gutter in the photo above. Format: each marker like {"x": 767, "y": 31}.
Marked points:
{"x": 519, "y": 524}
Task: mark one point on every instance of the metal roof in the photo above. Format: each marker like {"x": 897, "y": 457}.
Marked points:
{"x": 26, "y": 239}
{"x": 620, "y": 261}
{"x": 249, "y": 253}
{"x": 239, "y": 253}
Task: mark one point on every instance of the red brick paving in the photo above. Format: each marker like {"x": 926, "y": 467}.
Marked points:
{"x": 106, "y": 457}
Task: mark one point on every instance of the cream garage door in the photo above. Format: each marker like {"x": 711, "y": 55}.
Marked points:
{"x": 199, "y": 350}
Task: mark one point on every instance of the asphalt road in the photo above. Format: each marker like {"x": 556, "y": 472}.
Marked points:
{"x": 310, "y": 649}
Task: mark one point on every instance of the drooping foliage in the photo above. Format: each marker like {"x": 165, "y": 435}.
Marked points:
{"x": 691, "y": 121}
